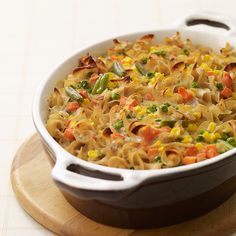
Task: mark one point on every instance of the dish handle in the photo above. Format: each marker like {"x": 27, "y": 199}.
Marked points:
{"x": 212, "y": 19}
{"x": 85, "y": 184}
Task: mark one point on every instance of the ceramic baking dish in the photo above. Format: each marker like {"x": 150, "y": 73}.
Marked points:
{"x": 141, "y": 198}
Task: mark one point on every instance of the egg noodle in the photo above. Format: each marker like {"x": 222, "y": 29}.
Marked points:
{"x": 147, "y": 106}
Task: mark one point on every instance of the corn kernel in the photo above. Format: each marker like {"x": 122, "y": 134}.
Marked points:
{"x": 175, "y": 131}
{"x": 199, "y": 146}
{"x": 212, "y": 126}
{"x": 205, "y": 67}
{"x": 137, "y": 109}
{"x": 216, "y": 72}
{"x": 197, "y": 114}
{"x": 206, "y": 58}
{"x": 153, "y": 49}
{"x": 142, "y": 111}
{"x": 157, "y": 143}
{"x": 127, "y": 60}
{"x": 187, "y": 108}
{"x": 93, "y": 154}
{"x": 187, "y": 139}
{"x": 160, "y": 149}
{"x": 73, "y": 124}
{"x": 192, "y": 127}
{"x": 207, "y": 136}
{"x": 152, "y": 115}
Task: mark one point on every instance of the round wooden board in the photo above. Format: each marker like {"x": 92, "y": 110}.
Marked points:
{"x": 39, "y": 196}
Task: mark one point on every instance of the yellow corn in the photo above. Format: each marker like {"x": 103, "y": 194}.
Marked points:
{"x": 206, "y": 58}
{"x": 207, "y": 136}
{"x": 175, "y": 131}
{"x": 168, "y": 93}
{"x": 212, "y": 126}
{"x": 199, "y": 146}
{"x": 160, "y": 149}
{"x": 187, "y": 108}
{"x": 205, "y": 67}
{"x": 216, "y": 72}
{"x": 93, "y": 154}
{"x": 157, "y": 143}
{"x": 197, "y": 114}
{"x": 127, "y": 60}
{"x": 152, "y": 115}
{"x": 187, "y": 139}
{"x": 153, "y": 49}
{"x": 192, "y": 127}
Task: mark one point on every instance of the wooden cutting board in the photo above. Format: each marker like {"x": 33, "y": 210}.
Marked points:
{"x": 38, "y": 195}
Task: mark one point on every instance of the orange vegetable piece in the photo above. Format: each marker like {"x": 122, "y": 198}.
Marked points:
{"x": 211, "y": 151}
{"x": 68, "y": 133}
{"x": 150, "y": 134}
{"x": 149, "y": 97}
{"x": 123, "y": 100}
{"x": 226, "y": 92}
{"x": 186, "y": 95}
{"x": 189, "y": 160}
{"x": 227, "y": 81}
{"x": 72, "y": 106}
{"x": 117, "y": 135}
{"x": 191, "y": 151}
{"x": 83, "y": 93}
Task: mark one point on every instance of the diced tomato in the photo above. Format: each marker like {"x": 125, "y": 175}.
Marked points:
{"x": 211, "y": 151}
{"x": 149, "y": 97}
{"x": 83, "y": 93}
{"x": 72, "y": 106}
{"x": 68, "y": 133}
{"x": 117, "y": 135}
{"x": 189, "y": 160}
{"x": 93, "y": 79}
{"x": 186, "y": 95}
{"x": 227, "y": 81}
{"x": 123, "y": 100}
{"x": 191, "y": 151}
{"x": 133, "y": 104}
{"x": 150, "y": 134}
{"x": 226, "y": 92}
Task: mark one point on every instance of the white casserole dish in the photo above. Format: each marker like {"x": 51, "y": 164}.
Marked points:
{"x": 128, "y": 190}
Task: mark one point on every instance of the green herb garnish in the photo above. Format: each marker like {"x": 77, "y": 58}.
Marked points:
{"x": 118, "y": 124}
{"x": 186, "y": 52}
{"x": 115, "y": 96}
{"x": 152, "y": 108}
{"x": 220, "y": 86}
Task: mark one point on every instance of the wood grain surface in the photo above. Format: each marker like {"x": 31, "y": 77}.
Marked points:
{"x": 38, "y": 195}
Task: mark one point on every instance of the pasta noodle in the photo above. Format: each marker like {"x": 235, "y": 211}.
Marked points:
{"x": 147, "y": 106}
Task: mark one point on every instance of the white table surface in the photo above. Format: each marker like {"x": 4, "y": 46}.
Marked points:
{"x": 35, "y": 36}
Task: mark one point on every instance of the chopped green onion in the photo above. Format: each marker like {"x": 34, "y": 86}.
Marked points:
{"x": 117, "y": 68}
{"x": 194, "y": 84}
{"x": 140, "y": 68}
{"x": 231, "y": 141}
{"x": 160, "y": 53}
{"x": 169, "y": 123}
{"x": 74, "y": 94}
{"x": 115, "y": 96}
{"x": 201, "y": 131}
{"x": 150, "y": 75}
{"x": 226, "y": 145}
{"x": 84, "y": 84}
{"x": 158, "y": 120}
{"x": 144, "y": 60}
{"x": 220, "y": 86}
{"x": 118, "y": 124}
{"x": 152, "y": 108}
{"x": 219, "y": 67}
{"x": 186, "y": 52}
{"x": 100, "y": 84}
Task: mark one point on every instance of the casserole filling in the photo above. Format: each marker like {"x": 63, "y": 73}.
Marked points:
{"x": 147, "y": 106}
